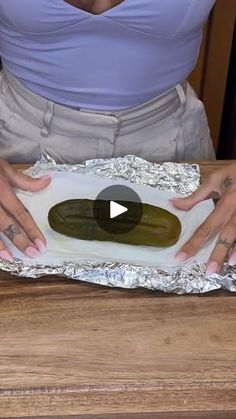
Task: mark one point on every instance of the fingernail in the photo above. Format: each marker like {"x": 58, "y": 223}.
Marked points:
{"x": 173, "y": 200}
{"x": 181, "y": 257}
{"x": 40, "y": 245}
{"x": 45, "y": 177}
{"x": 32, "y": 252}
{"x": 232, "y": 259}
{"x": 4, "y": 254}
{"x": 212, "y": 268}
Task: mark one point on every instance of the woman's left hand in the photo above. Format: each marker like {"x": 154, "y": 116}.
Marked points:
{"x": 222, "y": 220}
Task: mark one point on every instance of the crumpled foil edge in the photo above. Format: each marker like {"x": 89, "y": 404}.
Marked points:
{"x": 177, "y": 177}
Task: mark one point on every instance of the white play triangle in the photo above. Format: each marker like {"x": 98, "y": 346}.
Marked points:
{"x": 116, "y": 209}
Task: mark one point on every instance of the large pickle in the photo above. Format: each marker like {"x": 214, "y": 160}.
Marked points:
{"x": 75, "y": 218}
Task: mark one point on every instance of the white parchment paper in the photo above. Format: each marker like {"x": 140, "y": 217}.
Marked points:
{"x": 73, "y": 185}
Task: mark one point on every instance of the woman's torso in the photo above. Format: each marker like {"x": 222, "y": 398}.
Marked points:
{"x": 114, "y": 60}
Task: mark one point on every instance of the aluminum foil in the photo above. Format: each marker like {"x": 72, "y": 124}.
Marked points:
{"x": 176, "y": 177}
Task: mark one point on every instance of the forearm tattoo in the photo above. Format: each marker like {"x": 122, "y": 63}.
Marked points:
{"x": 227, "y": 182}
{"x": 11, "y": 231}
{"x": 226, "y": 243}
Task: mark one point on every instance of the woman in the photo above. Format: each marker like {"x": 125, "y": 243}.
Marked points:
{"x": 101, "y": 78}
{"x": 95, "y": 78}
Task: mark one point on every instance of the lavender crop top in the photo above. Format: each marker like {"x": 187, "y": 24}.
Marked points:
{"x": 112, "y": 61}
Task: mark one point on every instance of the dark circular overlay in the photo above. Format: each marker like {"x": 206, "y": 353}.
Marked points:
{"x": 112, "y": 197}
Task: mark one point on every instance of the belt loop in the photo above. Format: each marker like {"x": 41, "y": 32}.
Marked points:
{"x": 181, "y": 93}
{"x": 47, "y": 119}
{"x": 4, "y": 83}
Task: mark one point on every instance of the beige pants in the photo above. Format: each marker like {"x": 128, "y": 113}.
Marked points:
{"x": 172, "y": 127}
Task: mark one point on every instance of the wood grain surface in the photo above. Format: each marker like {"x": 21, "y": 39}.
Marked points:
{"x": 164, "y": 415}
{"x": 77, "y": 350}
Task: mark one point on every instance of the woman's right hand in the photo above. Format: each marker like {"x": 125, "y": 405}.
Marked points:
{"x": 16, "y": 223}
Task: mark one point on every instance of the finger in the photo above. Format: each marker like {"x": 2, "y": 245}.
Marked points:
{"x": 4, "y": 253}
{"x": 222, "y": 248}
{"x": 16, "y": 235}
{"x": 214, "y": 223}
{"x": 205, "y": 191}
{"x": 22, "y": 181}
{"x": 232, "y": 258}
{"x": 15, "y": 207}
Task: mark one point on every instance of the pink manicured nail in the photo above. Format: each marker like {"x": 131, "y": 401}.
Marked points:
{"x": 45, "y": 177}
{"x": 232, "y": 259}
{"x": 40, "y": 245}
{"x": 181, "y": 257}
{"x": 4, "y": 254}
{"x": 212, "y": 268}
{"x": 174, "y": 200}
{"x": 32, "y": 252}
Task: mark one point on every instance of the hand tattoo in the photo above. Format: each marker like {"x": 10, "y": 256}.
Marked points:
{"x": 227, "y": 182}
{"x": 226, "y": 243}
{"x": 11, "y": 231}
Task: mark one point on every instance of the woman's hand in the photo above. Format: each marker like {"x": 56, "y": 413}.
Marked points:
{"x": 16, "y": 222}
{"x": 220, "y": 185}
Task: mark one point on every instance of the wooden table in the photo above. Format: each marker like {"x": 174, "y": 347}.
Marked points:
{"x": 76, "y": 350}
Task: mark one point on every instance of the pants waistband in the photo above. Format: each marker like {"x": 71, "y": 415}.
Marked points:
{"x": 48, "y": 115}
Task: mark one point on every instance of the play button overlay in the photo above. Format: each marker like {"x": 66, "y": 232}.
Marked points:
{"x": 118, "y": 209}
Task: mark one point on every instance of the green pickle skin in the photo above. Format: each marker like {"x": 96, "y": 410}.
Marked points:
{"x": 74, "y": 218}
